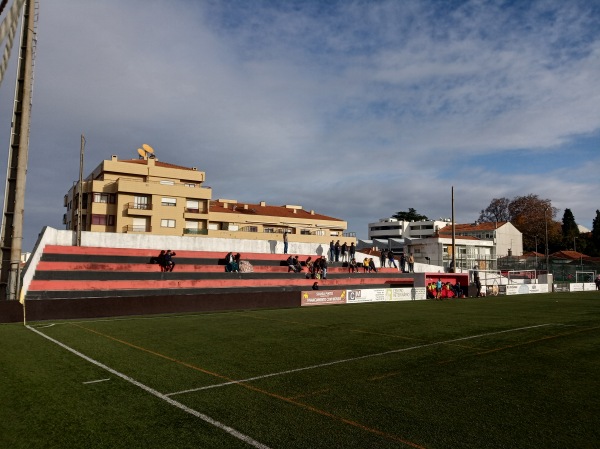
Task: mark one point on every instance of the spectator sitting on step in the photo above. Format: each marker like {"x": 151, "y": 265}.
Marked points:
{"x": 160, "y": 260}
{"x": 316, "y": 268}
{"x": 309, "y": 267}
{"x": 323, "y": 268}
{"x": 293, "y": 264}
{"x": 372, "y": 266}
{"x": 352, "y": 266}
{"x": 169, "y": 262}
{"x": 229, "y": 263}
{"x": 366, "y": 264}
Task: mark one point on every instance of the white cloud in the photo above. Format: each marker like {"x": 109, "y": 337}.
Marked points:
{"x": 355, "y": 109}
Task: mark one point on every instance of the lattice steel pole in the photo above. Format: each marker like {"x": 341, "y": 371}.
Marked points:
{"x": 16, "y": 171}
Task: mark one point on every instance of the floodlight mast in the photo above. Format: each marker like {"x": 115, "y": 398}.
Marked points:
{"x": 14, "y": 194}
{"x": 453, "y": 236}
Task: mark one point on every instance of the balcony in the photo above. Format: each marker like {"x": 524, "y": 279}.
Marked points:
{"x": 192, "y": 213}
{"x": 138, "y": 209}
{"x": 195, "y": 232}
{"x": 137, "y": 229}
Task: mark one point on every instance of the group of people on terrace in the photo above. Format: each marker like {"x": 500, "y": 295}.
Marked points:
{"x": 315, "y": 269}
{"x": 165, "y": 260}
{"x": 407, "y": 264}
{"x": 235, "y": 264}
{"x": 444, "y": 290}
{"x": 341, "y": 252}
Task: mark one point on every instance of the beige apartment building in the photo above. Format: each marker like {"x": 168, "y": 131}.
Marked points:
{"x": 146, "y": 196}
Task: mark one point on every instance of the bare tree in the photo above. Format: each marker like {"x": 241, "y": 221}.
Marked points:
{"x": 496, "y": 211}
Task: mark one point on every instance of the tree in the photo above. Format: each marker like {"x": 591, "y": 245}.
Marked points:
{"x": 596, "y": 235}
{"x": 530, "y": 215}
{"x": 496, "y": 211}
{"x": 533, "y": 216}
{"x": 411, "y": 215}
{"x": 570, "y": 231}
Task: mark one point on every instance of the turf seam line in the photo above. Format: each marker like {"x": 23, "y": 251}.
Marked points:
{"x": 95, "y": 381}
{"x": 231, "y": 431}
{"x": 336, "y": 362}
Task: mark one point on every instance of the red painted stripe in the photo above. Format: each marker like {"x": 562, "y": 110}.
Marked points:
{"x": 188, "y": 268}
{"x": 50, "y": 285}
{"x": 98, "y": 251}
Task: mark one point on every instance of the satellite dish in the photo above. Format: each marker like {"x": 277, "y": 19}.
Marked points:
{"x": 142, "y": 153}
{"x": 148, "y": 148}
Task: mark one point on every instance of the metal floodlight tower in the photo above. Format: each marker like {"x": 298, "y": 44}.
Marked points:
{"x": 16, "y": 170}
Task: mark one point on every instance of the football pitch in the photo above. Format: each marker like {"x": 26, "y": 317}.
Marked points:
{"x": 503, "y": 372}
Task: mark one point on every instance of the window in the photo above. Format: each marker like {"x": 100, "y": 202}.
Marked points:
{"x": 166, "y": 223}
{"x": 140, "y": 202}
{"x": 104, "y": 198}
{"x": 192, "y": 206}
{"x": 106, "y": 220}
{"x": 190, "y": 185}
{"x": 167, "y": 182}
{"x": 169, "y": 201}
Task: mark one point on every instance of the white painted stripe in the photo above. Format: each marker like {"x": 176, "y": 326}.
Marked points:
{"x": 95, "y": 381}
{"x": 336, "y": 362}
{"x": 179, "y": 405}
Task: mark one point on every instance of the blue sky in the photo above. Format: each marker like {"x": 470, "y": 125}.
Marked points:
{"x": 356, "y": 109}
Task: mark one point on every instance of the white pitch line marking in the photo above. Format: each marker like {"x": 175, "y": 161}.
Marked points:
{"x": 95, "y": 381}
{"x": 231, "y": 431}
{"x": 336, "y": 362}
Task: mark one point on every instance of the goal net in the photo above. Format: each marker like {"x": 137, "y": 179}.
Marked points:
{"x": 522, "y": 277}
{"x": 489, "y": 277}
{"x": 585, "y": 276}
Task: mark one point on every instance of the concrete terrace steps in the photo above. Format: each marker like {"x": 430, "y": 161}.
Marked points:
{"x": 70, "y": 265}
{"x": 86, "y": 272}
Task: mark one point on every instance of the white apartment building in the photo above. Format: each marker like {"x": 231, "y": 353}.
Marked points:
{"x": 430, "y": 241}
{"x": 392, "y": 228}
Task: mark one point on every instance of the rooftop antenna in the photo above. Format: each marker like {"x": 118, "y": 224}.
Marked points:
{"x": 146, "y": 152}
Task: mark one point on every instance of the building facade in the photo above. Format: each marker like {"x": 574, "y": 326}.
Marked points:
{"x": 430, "y": 241}
{"x": 392, "y": 228}
{"x": 146, "y": 196}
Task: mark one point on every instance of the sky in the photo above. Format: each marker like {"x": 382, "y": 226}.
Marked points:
{"x": 354, "y": 109}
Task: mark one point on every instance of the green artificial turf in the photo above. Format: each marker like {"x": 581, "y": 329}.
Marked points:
{"x": 503, "y": 372}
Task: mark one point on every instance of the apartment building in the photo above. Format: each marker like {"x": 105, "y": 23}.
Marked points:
{"x": 147, "y": 196}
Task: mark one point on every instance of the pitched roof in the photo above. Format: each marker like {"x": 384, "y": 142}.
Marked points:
{"x": 572, "y": 255}
{"x": 267, "y": 210}
{"x": 484, "y": 226}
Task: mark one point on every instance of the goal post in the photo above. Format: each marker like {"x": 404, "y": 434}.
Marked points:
{"x": 522, "y": 277}
{"x": 488, "y": 277}
{"x": 585, "y": 276}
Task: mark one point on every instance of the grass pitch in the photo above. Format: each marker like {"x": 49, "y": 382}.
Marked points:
{"x": 504, "y": 372}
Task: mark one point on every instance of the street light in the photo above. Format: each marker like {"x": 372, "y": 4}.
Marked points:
{"x": 547, "y": 253}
